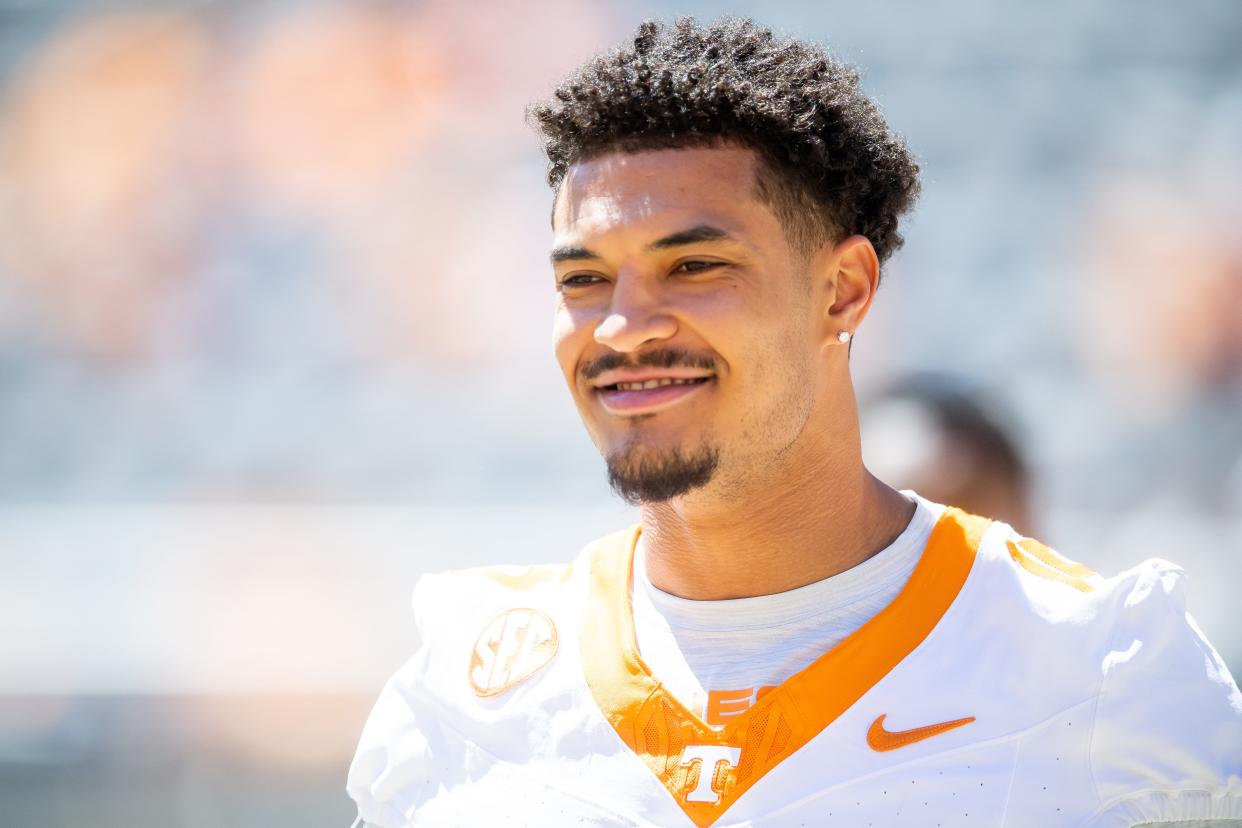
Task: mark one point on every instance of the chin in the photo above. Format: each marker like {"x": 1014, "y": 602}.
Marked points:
{"x": 641, "y": 474}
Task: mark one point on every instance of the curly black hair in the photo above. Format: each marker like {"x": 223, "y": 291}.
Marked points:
{"x": 831, "y": 167}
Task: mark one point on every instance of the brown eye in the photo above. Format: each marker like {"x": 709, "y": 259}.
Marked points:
{"x": 695, "y": 266}
{"x": 580, "y": 280}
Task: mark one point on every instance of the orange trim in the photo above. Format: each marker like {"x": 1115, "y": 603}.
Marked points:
{"x": 658, "y": 728}
{"x": 880, "y": 739}
{"x": 531, "y": 577}
{"x": 1054, "y": 560}
{"x": 1042, "y": 570}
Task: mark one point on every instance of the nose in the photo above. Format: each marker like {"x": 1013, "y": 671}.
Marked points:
{"x": 635, "y": 316}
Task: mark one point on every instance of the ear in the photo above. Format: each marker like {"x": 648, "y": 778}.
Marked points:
{"x": 850, "y": 273}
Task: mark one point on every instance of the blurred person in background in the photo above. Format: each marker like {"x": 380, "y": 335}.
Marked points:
{"x": 932, "y": 434}
{"x": 784, "y": 639}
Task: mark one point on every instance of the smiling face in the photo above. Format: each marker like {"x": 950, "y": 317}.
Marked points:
{"x": 687, "y": 327}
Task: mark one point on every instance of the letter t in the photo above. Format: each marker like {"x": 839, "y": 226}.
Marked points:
{"x": 710, "y": 756}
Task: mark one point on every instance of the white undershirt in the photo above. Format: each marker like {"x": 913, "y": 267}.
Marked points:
{"x": 745, "y": 644}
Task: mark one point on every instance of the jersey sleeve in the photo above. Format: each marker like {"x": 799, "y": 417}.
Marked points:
{"x": 393, "y": 753}
{"x": 423, "y": 734}
{"x": 395, "y": 765}
{"x": 1167, "y": 738}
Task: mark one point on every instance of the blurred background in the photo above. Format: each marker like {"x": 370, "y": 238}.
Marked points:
{"x": 275, "y": 322}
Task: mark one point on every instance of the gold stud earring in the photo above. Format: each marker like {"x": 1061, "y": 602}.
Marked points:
{"x": 843, "y": 336}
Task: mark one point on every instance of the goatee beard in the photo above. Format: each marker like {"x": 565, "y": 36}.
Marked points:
{"x": 662, "y": 477}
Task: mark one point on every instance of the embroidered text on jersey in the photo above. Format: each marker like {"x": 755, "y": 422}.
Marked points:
{"x": 719, "y": 705}
{"x": 512, "y": 647}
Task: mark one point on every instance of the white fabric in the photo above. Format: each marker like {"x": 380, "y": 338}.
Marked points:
{"x": 696, "y": 646}
{"x": 1090, "y": 709}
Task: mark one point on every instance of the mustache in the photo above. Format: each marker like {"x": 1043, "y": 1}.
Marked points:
{"x": 663, "y": 358}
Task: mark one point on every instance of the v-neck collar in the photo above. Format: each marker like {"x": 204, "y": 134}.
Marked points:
{"x": 660, "y": 729}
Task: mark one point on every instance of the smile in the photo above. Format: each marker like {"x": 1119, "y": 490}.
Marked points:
{"x": 648, "y": 396}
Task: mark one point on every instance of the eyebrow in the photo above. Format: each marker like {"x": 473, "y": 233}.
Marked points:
{"x": 565, "y": 254}
{"x": 694, "y": 235}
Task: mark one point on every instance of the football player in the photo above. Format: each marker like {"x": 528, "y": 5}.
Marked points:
{"x": 783, "y": 640}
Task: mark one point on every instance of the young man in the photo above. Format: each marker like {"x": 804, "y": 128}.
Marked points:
{"x": 783, "y": 640}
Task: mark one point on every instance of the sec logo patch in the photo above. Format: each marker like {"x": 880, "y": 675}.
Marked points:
{"x": 512, "y": 648}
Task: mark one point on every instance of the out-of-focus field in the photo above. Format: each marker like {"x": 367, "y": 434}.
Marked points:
{"x": 275, "y": 339}
{"x": 189, "y": 760}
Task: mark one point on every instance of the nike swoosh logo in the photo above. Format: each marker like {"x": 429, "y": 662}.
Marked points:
{"x": 880, "y": 739}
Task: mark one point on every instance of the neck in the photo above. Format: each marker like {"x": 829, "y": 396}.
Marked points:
{"x": 819, "y": 518}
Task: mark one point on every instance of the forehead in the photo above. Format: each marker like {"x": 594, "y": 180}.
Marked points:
{"x": 625, "y": 191}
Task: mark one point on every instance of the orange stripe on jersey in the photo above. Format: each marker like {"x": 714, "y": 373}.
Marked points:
{"x": 532, "y": 577}
{"x": 1054, "y": 560}
{"x": 1045, "y": 571}
{"x": 707, "y": 769}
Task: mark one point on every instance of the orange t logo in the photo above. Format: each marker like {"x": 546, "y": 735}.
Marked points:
{"x": 709, "y": 758}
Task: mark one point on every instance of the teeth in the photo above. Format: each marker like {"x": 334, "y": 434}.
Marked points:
{"x": 655, "y": 383}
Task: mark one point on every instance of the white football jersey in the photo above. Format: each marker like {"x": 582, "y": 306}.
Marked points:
{"x": 1004, "y": 686}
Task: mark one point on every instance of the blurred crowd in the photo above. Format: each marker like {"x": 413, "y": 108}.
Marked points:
{"x": 255, "y": 242}
{"x": 274, "y": 249}
{"x": 295, "y": 253}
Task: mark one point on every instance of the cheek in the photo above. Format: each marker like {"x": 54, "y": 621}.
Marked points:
{"x": 781, "y": 363}
{"x": 755, "y": 335}
{"x": 741, "y": 311}
{"x": 571, "y": 334}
